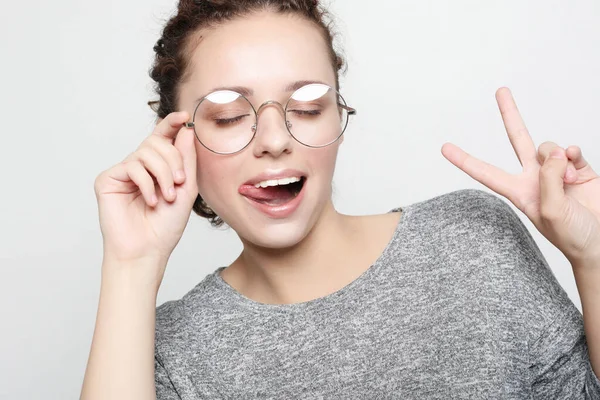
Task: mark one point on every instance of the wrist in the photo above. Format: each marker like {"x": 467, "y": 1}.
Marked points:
{"x": 587, "y": 263}
{"x": 141, "y": 274}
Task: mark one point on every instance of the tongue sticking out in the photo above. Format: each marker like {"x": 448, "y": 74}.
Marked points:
{"x": 271, "y": 195}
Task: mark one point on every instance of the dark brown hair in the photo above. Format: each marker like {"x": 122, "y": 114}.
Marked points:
{"x": 180, "y": 36}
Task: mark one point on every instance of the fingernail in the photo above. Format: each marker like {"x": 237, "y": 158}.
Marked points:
{"x": 180, "y": 175}
{"x": 172, "y": 192}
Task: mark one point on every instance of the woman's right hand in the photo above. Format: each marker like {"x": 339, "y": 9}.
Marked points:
{"x": 135, "y": 225}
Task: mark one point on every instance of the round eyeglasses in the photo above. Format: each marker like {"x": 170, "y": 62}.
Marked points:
{"x": 225, "y": 122}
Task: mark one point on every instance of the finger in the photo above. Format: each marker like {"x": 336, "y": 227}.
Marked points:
{"x": 159, "y": 168}
{"x": 134, "y": 171}
{"x": 493, "y": 177}
{"x": 169, "y": 127}
{"x": 576, "y": 156}
{"x": 518, "y": 135}
{"x": 544, "y": 152}
{"x": 171, "y": 155}
{"x": 571, "y": 174}
{"x": 185, "y": 143}
{"x": 552, "y": 192}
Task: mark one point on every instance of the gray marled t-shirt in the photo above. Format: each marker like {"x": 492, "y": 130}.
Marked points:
{"x": 460, "y": 305}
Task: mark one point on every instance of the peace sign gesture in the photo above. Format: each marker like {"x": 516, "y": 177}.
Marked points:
{"x": 557, "y": 190}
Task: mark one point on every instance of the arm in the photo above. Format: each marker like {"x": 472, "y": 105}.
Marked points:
{"x": 121, "y": 362}
{"x": 560, "y": 361}
{"x": 546, "y": 327}
{"x": 587, "y": 278}
{"x": 558, "y": 191}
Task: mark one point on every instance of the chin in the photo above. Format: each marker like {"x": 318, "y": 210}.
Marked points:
{"x": 259, "y": 229}
{"x": 276, "y": 237}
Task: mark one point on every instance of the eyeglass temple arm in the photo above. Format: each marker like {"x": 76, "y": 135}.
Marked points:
{"x": 351, "y": 111}
{"x": 154, "y": 106}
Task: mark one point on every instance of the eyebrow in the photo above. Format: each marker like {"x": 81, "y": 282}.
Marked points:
{"x": 247, "y": 92}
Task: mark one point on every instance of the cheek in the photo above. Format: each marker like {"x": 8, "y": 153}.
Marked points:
{"x": 325, "y": 162}
{"x": 213, "y": 174}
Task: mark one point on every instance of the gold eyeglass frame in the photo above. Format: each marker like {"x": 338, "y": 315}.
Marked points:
{"x": 342, "y": 104}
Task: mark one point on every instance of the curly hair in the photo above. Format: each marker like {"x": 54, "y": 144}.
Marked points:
{"x": 180, "y": 36}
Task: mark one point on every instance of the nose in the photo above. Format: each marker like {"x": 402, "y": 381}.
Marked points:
{"x": 272, "y": 136}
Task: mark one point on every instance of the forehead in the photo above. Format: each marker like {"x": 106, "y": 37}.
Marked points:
{"x": 265, "y": 52}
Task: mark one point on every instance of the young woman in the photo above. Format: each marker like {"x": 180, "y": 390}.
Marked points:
{"x": 445, "y": 298}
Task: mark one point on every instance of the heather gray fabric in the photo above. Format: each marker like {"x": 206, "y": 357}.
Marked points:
{"x": 460, "y": 305}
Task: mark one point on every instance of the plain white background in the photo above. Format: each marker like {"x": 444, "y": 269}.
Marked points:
{"x": 74, "y": 90}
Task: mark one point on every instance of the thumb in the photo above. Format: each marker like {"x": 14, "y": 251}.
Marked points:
{"x": 552, "y": 190}
{"x": 185, "y": 142}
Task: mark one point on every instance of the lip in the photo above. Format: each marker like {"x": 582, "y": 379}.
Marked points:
{"x": 271, "y": 175}
{"x": 280, "y": 211}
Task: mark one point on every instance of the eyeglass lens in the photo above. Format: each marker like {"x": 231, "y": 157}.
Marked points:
{"x": 225, "y": 121}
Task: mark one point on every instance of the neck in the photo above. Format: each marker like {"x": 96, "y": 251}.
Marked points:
{"x": 312, "y": 268}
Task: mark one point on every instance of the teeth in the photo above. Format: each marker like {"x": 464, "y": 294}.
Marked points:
{"x": 276, "y": 182}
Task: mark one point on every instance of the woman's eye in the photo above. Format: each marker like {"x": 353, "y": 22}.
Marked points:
{"x": 307, "y": 112}
{"x": 229, "y": 121}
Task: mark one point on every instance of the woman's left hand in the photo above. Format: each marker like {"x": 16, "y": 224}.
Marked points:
{"x": 561, "y": 196}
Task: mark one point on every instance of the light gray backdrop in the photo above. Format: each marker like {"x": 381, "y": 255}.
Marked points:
{"x": 74, "y": 92}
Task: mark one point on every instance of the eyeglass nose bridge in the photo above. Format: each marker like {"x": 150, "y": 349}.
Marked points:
{"x": 288, "y": 124}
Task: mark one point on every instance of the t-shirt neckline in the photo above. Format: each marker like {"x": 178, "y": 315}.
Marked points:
{"x": 236, "y": 298}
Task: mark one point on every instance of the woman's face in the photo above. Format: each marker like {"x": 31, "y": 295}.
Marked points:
{"x": 265, "y": 53}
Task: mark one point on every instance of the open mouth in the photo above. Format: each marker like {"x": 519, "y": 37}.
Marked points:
{"x": 275, "y": 195}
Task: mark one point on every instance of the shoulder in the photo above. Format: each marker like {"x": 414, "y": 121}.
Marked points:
{"x": 481, "y": 227}
{"x": 479, "y": 234}
{"x": 487, "y": 221}
{"x": 176, "y": 318}
{"x": 468, "y": 201}
{"x": 465, "y": 227}
{"x": 169, "y": 314}
{"x": 463, "y": 212}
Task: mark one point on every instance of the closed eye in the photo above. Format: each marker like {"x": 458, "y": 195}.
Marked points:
{"x": 229, "y": 121}
{"x": 306, "y": 112}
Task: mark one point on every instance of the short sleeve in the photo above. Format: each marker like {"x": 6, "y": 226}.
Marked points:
{"x": 165, "y": 390}
{"x": 559, "y": 366}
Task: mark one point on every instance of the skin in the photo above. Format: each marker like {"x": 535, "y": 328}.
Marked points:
{"x": 317, "y": 250}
